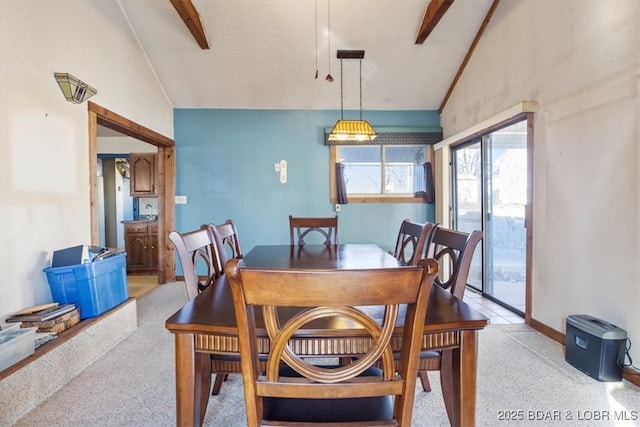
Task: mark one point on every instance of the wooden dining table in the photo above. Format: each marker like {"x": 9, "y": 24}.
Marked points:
{"x": 206, "y": 325}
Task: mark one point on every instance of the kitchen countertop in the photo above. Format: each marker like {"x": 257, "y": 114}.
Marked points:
{"x": 133, "y": 221}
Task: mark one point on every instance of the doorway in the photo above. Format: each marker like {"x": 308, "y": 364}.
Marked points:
{"x": 100, "y": 116}
{"x": 115, "y": 204}
{"x": 491, "y": 193}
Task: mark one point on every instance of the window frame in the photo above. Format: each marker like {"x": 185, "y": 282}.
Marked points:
{"x": 377, "y": 198}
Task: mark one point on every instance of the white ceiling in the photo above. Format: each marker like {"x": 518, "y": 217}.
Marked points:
{"x": 263, "y": 52}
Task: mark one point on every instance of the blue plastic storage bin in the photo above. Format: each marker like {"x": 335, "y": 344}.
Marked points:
{"x": 93, "y": 287}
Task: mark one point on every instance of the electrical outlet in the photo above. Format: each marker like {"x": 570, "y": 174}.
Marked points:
{"x": 181, "y": 200}
{"x": 338, "y": 207}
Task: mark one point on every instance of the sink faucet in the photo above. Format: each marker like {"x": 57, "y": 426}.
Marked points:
{"x": 148, "y": 207}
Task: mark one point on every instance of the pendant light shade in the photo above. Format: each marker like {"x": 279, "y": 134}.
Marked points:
{"x": 351, "y": 130}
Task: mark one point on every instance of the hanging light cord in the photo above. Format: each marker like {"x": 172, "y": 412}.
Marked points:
{"x": 341, "y": 93}
{"x": 316, "y": 16}
{"x": 360, "y": 89}
{"x": 329, "y": 32}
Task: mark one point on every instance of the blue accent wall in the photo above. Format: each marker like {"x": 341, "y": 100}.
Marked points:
{"x": 225, "y": 166}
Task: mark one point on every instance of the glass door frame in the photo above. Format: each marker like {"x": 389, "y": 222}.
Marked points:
{"x": 477, "y": 138}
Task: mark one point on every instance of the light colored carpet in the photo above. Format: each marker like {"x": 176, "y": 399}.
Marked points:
{"x": 522, "y": 380}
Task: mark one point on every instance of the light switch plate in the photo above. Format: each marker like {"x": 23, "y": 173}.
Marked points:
{"x": 181, "y": 200}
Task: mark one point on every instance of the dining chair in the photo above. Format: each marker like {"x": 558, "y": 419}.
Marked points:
{"x": 201, "y": 259}
{"x": 300, "y": 392}
{"x": 326, "y": 227}
{"x": 228, "y": 244}
{"x": 453, "y": 250}
{"x": 411, "y": 241}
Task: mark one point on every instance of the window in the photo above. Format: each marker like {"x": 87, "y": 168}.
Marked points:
{"x": 381, "y": 173}
{"x": 390, "y": 169}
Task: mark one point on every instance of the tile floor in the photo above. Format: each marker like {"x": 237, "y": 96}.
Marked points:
{"x": 495, "y": 312}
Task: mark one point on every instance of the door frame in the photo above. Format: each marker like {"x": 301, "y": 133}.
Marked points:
{"x": 165, "y": 187}
{"x": 528, "y": 211}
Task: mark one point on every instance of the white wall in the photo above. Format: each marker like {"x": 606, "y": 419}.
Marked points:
{"x": 44, "y": 164}
{"x": 123, "y": 145}
{"x": 580, "y": 60}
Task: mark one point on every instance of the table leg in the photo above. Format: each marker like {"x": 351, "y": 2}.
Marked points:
{"x": 446, "y": 382}
{"x": 203, "y": 378}
{"x": 193, "y": 381}
{"x": 461, "y": 364}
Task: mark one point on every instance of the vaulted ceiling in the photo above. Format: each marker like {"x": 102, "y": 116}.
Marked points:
{"x": 264, "y": 54}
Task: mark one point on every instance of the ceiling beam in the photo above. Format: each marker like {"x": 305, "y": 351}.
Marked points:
{"x": 191, "y": 18}
{"x": 487, "y": 18}
{"x": 432, "y": 16}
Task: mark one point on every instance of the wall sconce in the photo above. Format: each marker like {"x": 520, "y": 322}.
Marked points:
{"x": 74, "y": 89}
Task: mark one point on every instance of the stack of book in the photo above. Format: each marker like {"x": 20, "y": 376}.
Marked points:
{"x": 53, "y": 317}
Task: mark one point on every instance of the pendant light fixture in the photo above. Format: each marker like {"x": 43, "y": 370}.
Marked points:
{"x": 351, "y": 130}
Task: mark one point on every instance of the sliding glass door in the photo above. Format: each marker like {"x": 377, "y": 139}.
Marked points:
{"x": 490, "y": 194}
{"x": 467, "y": 215}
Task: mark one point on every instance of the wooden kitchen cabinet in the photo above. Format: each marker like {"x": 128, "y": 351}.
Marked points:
{"x": 143, "y": 174}
{"x": 153, "y": 241}
{"x": 141, "y": 244}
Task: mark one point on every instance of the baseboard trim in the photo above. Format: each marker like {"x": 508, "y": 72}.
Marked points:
{"x": 561, "y": 338}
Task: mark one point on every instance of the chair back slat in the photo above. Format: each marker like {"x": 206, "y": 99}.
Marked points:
{"x": 228, "y": 234}
{"x": 411, "y": 241}
{"x": 301, "y": 228}
{"x": 343, "y": 296}
{"x": 227, "y": 243}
